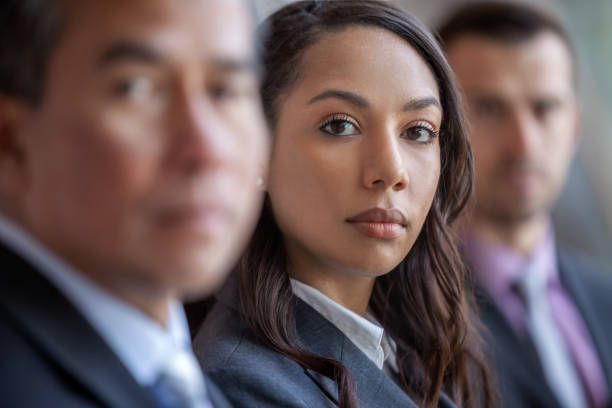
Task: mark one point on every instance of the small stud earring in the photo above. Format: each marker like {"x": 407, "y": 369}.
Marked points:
{"x": 260, "y": 182}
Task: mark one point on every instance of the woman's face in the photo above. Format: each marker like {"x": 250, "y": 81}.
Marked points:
{"x": 356, "y": 157}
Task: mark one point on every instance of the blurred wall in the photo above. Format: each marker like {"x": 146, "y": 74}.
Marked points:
{"x": 583, "y": 215}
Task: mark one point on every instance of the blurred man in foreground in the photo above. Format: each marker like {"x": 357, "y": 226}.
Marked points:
{"x": 130, "y": 139}
{"x": 547, "y": 309}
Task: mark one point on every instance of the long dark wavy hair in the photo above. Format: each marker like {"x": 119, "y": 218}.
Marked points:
{"x": 422, "y": 303}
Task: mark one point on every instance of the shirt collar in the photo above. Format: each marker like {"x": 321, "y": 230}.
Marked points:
{"x": 141, "y": 344}
{"x": 366, "y": 334}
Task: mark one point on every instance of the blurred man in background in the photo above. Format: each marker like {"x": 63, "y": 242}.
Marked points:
{"x": 547, "y": 309}
{"x": 130, "y": 141}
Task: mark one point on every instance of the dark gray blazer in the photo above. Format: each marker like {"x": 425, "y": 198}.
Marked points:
{"x": 521, "y": 378}
{"x": 252, "y": 375}
{"x": 49, "y": 354}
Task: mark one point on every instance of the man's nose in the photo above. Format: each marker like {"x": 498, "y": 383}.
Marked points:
{"x": 523, "y": 134}
{"x": 201, "y": 138}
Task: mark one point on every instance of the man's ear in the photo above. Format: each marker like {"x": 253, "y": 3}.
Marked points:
{"x": 12, "y": 152}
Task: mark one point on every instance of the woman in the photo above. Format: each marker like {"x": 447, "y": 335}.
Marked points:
{"x": 351, "y": 290}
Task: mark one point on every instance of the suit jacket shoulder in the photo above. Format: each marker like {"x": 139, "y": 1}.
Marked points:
{"x": 250, "y": 374}
{"x": 47, "y": 346}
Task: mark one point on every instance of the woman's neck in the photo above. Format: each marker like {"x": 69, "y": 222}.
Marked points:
{"x": 347, "y": 288}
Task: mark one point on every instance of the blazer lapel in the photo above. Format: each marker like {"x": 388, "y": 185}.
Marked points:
{"x": 518, "y": 359}
{"x": 374, "y": 388}
{"x": 63, "y": 334}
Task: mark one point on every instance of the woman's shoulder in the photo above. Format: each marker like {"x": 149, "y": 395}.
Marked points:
{"x": 224, "y": 340}
{"x": 248, "y": 372}
{"x": 219, "y": 336}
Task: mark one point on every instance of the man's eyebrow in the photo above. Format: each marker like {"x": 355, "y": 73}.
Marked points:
{"x": 350, "y": 97}
{"x": 235, "y": 65}
{"x": 420, "y": 104}
{"x": 486, "y": 98}
{"x": 129, "y": 51}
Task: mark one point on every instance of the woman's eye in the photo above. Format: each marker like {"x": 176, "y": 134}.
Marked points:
{"x": 340, "y": 127}
{"x": 420, "y": 134}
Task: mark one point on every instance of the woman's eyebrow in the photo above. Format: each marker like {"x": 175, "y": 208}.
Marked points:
{"x": 350, "y": 97}
{"x": 361, "y": 102}
{"x": 420, "y": 104}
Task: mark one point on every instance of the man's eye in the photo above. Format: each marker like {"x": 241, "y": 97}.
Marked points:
{"x": 134, "y": 88}
{"x": 420, "y": 134}
{"x": 233, "y": 88}
{"x": 488, "y": 108}
{"x": 340, "y": 127}
{"x": 221, "y": 92}
{"x": 542, "y": 108}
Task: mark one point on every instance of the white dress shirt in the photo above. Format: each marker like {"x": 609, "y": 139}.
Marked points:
{"x": 364, "y": 332}
{"x": 141, "y": 344}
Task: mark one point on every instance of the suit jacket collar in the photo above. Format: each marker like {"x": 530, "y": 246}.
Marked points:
{"x": 62, "y": 333}
{"x": 518, "y": 358}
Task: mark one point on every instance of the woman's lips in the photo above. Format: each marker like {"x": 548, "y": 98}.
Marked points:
{"x": 380, "y": 223}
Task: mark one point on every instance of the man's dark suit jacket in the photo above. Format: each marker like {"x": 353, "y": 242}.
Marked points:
{"x": 260, "y": 377}
{"x": 49, "y": 354}
{"x": 519, "y": 373}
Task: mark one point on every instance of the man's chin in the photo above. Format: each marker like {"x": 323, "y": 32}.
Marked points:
{"x": 187, "y": 273}
{"x": 513, "y": 211}
{"x": 200, "y": 285}
{"x": 518, "y": 215}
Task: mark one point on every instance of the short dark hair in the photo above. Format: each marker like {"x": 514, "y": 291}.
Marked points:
{"x": 511, "y": 22}
{"x": 29, "y": 31}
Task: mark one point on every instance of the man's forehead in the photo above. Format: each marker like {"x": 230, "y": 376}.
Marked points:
{"x": 219, "y": 26}
{"x": 540, "y": 65}
{"x": 482, "y": 41}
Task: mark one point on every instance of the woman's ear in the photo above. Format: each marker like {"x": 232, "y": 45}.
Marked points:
{"x": 12, "y": 151}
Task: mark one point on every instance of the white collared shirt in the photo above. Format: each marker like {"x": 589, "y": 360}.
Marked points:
{"x": 141, "y": 344}
{"x": 364, "y": 332}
